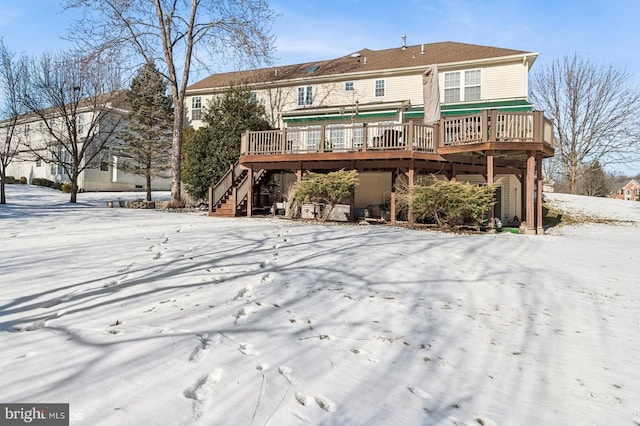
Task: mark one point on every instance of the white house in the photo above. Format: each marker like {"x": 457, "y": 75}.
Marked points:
{"x": 366, "y": 110}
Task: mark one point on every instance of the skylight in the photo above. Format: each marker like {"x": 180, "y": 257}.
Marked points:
{"x": 312, "y": 69}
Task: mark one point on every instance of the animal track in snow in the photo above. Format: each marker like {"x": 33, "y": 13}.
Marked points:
{"x": 325, "y": 403}
{"x": 266, "y": 278}
{"x": 286, "y": 372}
{"x": 201, "y": 390}
{"x": 242, "y": 315}
{"x": 419, "y": 392}
{"x": 247, "y": 349}
{"x": 245, "y": 292}
{"x": 303, "y": 399}
{"x": 126, "y": 268}
{"x": 204, "y": 344}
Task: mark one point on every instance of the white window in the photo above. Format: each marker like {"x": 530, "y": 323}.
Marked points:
{"x": 305, "y": 96}
{"x": 253, "y": 97}
{"x": 196, "y": 108}
{"x": 80, "y": 124}
{"x": 336, "y": 137}
{"x": 462, "y": 87}
{"x": 348, "y": 86}
{"x": 313, "y": 138}
{"x": 379, "y": 88}
{"x": 472, "y": 85}
{"x": 26, "y": 131}
{"x": 452, "y": 87}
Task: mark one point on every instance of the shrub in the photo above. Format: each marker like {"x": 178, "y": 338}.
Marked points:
{"x": 9, "y": 180}
{"x": 66, "y": 187}
{"x": 23, "y": 180}
{"x": 330, "y": 188}
{"x": 452, "y": 203}
{"x": 46, "y": 182}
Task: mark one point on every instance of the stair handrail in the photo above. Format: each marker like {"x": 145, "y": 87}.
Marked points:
{"x": 243, "y": 187}
{"x": 222, "y": 187}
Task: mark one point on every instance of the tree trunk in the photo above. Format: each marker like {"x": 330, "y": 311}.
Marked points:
{"x": 74, "y": 186}
{"x": 176, "y": 154}
{"x": 3, "y": 198}
{"x": 148, "y": 176}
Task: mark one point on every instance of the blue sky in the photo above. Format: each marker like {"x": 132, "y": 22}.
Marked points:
{"x": 606, "y": 31}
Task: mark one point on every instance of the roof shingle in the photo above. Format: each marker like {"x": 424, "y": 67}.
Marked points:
{"x": 360, "y": 61}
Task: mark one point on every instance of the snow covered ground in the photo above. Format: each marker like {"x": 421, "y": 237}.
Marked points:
{"x": 145, "y": 317}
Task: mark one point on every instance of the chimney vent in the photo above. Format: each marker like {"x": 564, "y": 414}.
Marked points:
{"x": 404, "y": 42}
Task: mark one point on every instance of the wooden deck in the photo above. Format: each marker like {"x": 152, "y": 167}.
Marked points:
{"x": 462, "y": 139}
{"x": 488, "y": 143}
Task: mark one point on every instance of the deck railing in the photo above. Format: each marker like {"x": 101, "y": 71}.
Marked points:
{"x": 488, "y": 126}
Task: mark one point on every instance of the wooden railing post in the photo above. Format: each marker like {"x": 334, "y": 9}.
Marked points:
{"x": 244, "y": 140}
{"x": 485, "y": 126}
{"x": 408, "y": 143}
{"x": 493, "y": 132}
{"x": 210, "y": 200}
{"x": 283, "y": 139}
{"x": 364, "y": 137}
{"x": 441, "y": 141}
{"x": 538, "y": 126}
{"x": 234, "y": 195}
{"x": 322, "y": 136}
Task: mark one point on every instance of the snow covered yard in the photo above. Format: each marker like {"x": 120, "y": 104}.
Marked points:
{"x": 148, "y": 317}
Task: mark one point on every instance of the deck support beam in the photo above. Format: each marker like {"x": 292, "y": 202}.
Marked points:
{"x": 411, "y": 179}
{"x": 394, "y": 176}
{"x": 250, "y": 191}
{"x": 539, "y": 228}
{"x": 528, "y": 223}
{"x": 490, "y": 179}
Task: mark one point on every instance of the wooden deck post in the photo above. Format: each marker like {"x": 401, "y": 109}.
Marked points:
{"x": 528, "y": 224}
{"x": 211, "y": 201}
{"x": 490, "y": 175}
{"x": 539, "y": 228}
{"x": 410, "y": 175}
{"x": 394, "y": 175}
{"x": 250, "y": 192}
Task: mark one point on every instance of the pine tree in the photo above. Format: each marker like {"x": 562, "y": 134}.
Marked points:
{"x": 594, "y": 181}
{"x": 149, "y": 132}
{"x": 214, "y": 147}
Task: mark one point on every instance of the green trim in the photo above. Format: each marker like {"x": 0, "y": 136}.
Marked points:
{"x": 473, "y": 108}
{"x": 339, "y": 117}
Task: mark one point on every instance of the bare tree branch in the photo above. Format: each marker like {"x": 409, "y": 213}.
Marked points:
{"x": 176, "y": 33}
{"x": 595, "y": 112}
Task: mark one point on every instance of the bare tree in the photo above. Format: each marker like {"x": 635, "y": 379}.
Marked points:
{"x": 594, "y": 109}
{"x": 11, "y": 81}
{"x": 176, "y": 33}
{"x": 75, "y": 111}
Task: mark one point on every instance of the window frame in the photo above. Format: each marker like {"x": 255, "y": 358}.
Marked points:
{"x": 349, "y": 86}
{"x": 196, "y": 110}
{"x": 463, "y": 85}
{"x": 305, "y": 96}
{"x": 379, "y": 88}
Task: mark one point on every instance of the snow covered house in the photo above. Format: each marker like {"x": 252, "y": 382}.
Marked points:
{"x": 47, "y": 140}
{"x": 451, "y": 109}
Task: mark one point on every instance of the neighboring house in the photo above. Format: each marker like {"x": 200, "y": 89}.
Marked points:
{"x": 104, "y": 173}
{"x": 450, "y": 109}
{"x": 629, "y": 191}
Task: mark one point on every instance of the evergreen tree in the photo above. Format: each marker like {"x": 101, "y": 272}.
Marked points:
{"x": 149, "y": 131}
{"x": 214, "y": 147}
{"x": 594, "y": 181}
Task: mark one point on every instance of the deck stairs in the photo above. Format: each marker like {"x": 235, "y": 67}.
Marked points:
{"x": 228, "y": 197}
